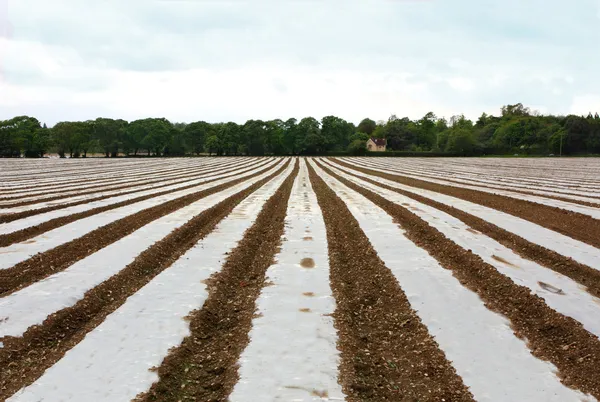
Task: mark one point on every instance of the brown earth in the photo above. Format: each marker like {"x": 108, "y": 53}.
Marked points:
{"x": 575, "y": 225}
{"x": 24, "y": 359}
{"x": 190, "y": 174}
{"x": 33, "y": 231}
{"x": 57, "y": 259}
{"x": 78, "y": 172}
{"x": 204, "y": 367}
{"x": 550, "y": 335}
{"x": 92, "y": 176}
{"x": 583, "y": 274}
{"x": 387, "y": 353}
{"x": 20, "y": 215}
{"x": 557, "y": 196}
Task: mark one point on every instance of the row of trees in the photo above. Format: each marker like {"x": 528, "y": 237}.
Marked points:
{"x": 516, "y": 130}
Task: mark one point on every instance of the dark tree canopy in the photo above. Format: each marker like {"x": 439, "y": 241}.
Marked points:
{"x": 516, "y": 130}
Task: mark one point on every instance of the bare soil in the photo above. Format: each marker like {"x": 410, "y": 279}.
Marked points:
{"x": 387, "y": 354}
{"x": 204, "y": 367}
{"x": 575, "y": 225}
{"x": 583, "y": 274}
{"x": 24, "y": 359}
{"x": 25, "y": 214}
{"x": 550, "y": 335}
{"x": 44, "y": 264}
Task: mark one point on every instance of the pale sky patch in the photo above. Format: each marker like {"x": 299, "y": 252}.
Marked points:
{"x": 236, "y": 60}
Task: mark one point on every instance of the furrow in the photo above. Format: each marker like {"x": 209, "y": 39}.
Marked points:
{"x": 116, "y": 187}
{"x": 585, "y": 210}
{"x": 204, "y": 366}
{"x": 139, "y": 334}
{"x": 550, "y": 336}
{"x": 56, "y": 259}
{"x": 561, "y": 293}
{"x": 47, "y": 343}
{"x": 588, "y": 277}
{"x": 292, "y": 351}
{"x": 387, "y": 353}
{"x": 31, "y": 230}
{"x": 568, "y": 223}
{"x": 111, "y": 197}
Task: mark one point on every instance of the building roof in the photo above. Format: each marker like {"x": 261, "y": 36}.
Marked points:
{"x": 380, "y": 142}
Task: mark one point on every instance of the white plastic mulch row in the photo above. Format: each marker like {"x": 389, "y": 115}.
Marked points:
{"x": 10, "y": 227}
{"x": 63, "y": 180}
{"x": 538, "y": 188}
{"x": 292, "y": 353}
{"x": 574, "y": 173}
{"x": 491, "y": 176}
{"x": 582, "y": 209}
{"x": 138, "y": 335}
{"x": 17, "y": 170}
{"x": 168, "y": 183}
{"x": 31, "y": 305}
{"x": 492, "y": 361}
{"x": 577, "y": 250}
{"x": 18, "y": 252}
{"x": 46, "y": 176}
{"x": 43, "y": 191}
{"x": 560, "y": 292}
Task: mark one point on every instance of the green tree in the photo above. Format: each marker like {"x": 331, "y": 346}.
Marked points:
{"x": 309, "y": 135}
{"x": 357, "y": 147}
{"x": 367, "y": 126}
{"x": 336, "y": 132}
{"x": 196, "y": 134}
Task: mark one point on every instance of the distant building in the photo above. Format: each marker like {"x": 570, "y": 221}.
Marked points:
{"x": 376, "y": 144}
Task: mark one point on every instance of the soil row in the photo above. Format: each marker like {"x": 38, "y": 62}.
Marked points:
{"x": 497, "y": 186}
{"x": 124, "y": 184}
{"x": 33, "y": 231}
{"x": 57, "y": 259}
{"x": 555, "y": 196}
{"x": 583, "y": 274}
{"x": 80, "y": 171}
{"x": 387, "y": 353}
{"x": 575, "y": 225}
{"x": 204, "y": 366}
{"x": 550, "y": 335}
{"x": 25, "y": 214}
{"x": 100, "y": 178}
{"x": 24, "y": 359}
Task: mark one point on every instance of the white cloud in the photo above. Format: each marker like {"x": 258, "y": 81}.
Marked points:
{"x": 234, "y": 60}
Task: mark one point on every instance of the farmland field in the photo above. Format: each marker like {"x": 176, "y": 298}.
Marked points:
{"x": 300, "y": 279}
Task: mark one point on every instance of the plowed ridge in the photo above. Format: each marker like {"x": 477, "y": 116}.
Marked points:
{"x": 305, "y": 279}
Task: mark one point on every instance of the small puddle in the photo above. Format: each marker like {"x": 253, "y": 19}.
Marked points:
{"x": 304, "y": 310}
{"x": 307, "y": 263}
{"x": 503, "y": 261}
{"x": 307, "y": 238}
{"x": 551, "y": 289}
{"x": 309, "y": 294}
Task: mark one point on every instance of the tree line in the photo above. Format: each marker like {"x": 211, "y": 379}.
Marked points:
{"x": 516, "y": 130}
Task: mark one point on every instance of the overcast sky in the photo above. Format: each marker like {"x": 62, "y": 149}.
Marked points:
{"x": 235, "y": 60}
